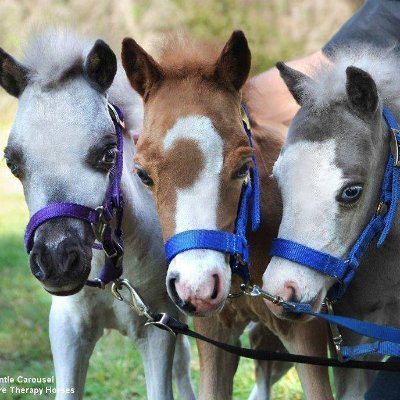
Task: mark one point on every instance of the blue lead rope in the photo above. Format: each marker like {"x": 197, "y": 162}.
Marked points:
{"x": 344, "y": 270}
{"x": 235, "y": 244}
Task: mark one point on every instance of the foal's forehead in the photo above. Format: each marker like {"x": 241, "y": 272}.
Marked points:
{"x": 189, "y": 111}
{"x": 72, "y": 108}
{"x": 201, "y": 131}
{"x": 337, "y": 127}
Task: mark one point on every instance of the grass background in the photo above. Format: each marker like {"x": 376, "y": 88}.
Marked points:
{"x": 276, "y": 29}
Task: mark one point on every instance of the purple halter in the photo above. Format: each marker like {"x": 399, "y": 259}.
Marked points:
{"x": 100, "y": 218}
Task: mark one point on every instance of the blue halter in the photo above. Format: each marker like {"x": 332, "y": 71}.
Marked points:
{"x": 235, "y": 243}
{"x": 344, "y": 269}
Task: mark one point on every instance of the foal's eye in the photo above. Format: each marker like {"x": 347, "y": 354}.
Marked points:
{"x": 109, "y": 156}
{"x": 12, "y": 167}
{"x": 242, "y": 172}
{"x": 351, "y": 194}
{"x": 144, "y": 177}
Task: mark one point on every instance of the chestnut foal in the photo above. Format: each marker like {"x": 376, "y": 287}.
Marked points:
{"x": 194, "y": 156}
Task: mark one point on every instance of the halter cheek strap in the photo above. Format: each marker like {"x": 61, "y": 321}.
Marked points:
{"x": 235, "y": 244}
{"x": 110, "y": 240}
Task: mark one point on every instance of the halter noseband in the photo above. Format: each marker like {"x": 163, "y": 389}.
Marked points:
{"x": 344, "y": 269}
{"x": 100, "y": 218}
{"x": 235, "y": 244}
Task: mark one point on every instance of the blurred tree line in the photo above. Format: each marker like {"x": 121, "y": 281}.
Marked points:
{"x": 276, "y": 29}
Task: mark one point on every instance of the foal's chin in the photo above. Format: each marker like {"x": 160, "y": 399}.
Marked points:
{"x": 206, "y": 313}
{"x": 285, "y": 314}
{"x": 289, "y": 316}
{"x": 68, "y": 288}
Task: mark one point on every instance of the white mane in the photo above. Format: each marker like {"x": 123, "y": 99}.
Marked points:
{"x": 51, "y": 54}
{"x": 329, "y": 83}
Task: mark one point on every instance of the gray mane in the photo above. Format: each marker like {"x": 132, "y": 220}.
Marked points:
{"x": 329, "y": 84}
{"x": 55, "y": 54}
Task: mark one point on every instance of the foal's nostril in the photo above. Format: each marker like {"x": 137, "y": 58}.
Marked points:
{"x": 71, "y": 261}
{"x": 37, "y": 269}
{"x": 187, "y": 306}
{"x": 293, "y": 298}
{"x": 173, "y": 292}
{"x": 214, "y": 293}
{"x": 290, "y": 291}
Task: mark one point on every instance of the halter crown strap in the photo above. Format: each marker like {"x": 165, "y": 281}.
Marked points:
{"x": 235, "y": 243}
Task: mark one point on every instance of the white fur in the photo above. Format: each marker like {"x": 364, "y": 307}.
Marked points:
{"x": 54, "y": 128}
{"x": 309, "y": 181}
{"x": 330, "y": 82}
{"x": 206, "y": 188}
{"x": 197, "y": 206}
{"x": 46, "y": 139}
{"x": 50, "y": 54}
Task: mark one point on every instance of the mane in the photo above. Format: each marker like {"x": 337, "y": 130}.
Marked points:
{"x": 329, "y": 84}
{"x": 54, "y": 54}
{"x": 180, "y": 56}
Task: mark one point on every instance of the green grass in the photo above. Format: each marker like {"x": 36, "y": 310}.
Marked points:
{"x": 24, "y": 308}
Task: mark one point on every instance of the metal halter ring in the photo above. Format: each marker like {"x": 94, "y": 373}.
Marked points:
{"x": 162, "y": 323}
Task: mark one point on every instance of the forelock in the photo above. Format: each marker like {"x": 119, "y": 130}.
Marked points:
{"x": 54, "y": 54}
{"x": 328, "y": 85}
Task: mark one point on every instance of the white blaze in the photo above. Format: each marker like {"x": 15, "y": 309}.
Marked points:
{"x": 197, "y": 206}
{"x": 309, "y": 182}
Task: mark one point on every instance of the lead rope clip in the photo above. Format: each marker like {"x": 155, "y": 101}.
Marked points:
{"x": 255, "y": 291}
{"x": 137, "y": 304}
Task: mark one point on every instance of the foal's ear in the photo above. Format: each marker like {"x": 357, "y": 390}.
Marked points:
{"x": 13, "y": 75}
{"x": 140, "y": 67}
{"x": 100, "y": 65}
{"x": 361, "y": 91}
{"x": 233, "y": 64}
{"x": 295, "y": 81}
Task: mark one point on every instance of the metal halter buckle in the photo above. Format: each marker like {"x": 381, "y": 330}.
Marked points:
{"x": 99, "y": 230}
{"x": 101, "y": 225}
{"x": 336, "y": 337}
{"x": 395, "y": 146}
{"x": 381, "y": 209}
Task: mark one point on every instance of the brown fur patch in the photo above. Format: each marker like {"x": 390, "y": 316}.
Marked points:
{"x": 187, "y": 152}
